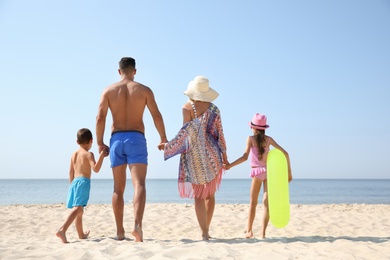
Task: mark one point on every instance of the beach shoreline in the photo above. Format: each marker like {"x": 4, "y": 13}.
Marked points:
{"x": 327, "y": 231}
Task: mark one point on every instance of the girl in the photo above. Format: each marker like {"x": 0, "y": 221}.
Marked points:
{"x": 258, "y": 147}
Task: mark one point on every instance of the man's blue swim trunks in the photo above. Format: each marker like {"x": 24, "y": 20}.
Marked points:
{"x": 128, "y": 147}
{"x": 78, "y": 193}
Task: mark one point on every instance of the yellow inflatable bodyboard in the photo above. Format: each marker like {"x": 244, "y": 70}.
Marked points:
{"x": 278, "y": 193}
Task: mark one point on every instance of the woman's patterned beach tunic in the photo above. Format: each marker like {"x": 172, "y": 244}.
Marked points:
{"x": 201, "y": 143}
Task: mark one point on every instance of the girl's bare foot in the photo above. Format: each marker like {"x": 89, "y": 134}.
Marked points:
{"x": 62, "y": 236}
{"x": 138, "y": 235}
{"x": 85, "y": 236}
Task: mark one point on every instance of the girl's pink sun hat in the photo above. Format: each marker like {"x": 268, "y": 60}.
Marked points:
{"x": 259, "y": 121}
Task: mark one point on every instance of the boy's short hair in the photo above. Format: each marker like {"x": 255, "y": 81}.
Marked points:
{"x": 126, "y": 63}
{"x": 84, "y": 135}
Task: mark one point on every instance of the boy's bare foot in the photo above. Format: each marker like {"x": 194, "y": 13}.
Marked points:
{"x": 62, "y": 236}
{"x": 85, "y": 236}
{"x": 249, "y": 234}
{"x": 138, "y": 235}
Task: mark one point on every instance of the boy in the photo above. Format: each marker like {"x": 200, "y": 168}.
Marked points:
{"x": 79, "y": 176}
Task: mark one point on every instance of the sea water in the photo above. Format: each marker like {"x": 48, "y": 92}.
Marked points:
{"x": 232, "y": 191}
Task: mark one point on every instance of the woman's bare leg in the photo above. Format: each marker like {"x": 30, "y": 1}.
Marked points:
{"x": 201, "y": 214}
{"x": 210, "y": 205}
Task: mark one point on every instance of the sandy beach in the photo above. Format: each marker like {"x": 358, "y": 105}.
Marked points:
{"x": 341, "y": 231}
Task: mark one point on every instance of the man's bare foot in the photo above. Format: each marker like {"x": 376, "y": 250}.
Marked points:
{"x": 138, "y": 235}
{"x": 85, "y": 236}
{"x": 62, "y": 236}
{"x": 249, "y": 234}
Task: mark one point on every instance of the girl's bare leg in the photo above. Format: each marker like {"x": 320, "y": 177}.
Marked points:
{"x": 79, "y": 224}
{"x": 265, "y": 217}
{"x": 201, "y": 214}
{"x": 254, "y": 194}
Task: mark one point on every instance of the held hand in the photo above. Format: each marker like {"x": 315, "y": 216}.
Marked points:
{"x": 227, "y": 166}
{"x": 104, "y": 149}
{"x": 161, "y": 146}
{"x": 105, "y": 152}
{"x": 225, "y": 160}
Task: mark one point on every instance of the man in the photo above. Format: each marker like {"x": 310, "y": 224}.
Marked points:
{"x": 127, "y": 100}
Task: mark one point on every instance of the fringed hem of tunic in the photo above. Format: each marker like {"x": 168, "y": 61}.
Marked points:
{"x": 200, "y": 191}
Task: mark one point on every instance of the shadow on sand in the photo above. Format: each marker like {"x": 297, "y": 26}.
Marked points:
{"x": 305, "y": 239}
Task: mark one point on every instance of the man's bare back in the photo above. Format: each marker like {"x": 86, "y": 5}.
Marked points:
{"x": 127, "y": 101}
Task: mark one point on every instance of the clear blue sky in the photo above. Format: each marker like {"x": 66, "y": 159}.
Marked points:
{"x": 320, "y": 71}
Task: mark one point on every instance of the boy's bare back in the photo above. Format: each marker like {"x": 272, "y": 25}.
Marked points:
{"x": 81, "y": 163}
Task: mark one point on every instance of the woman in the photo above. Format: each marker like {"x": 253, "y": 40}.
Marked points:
{"x": 202, "y": 146}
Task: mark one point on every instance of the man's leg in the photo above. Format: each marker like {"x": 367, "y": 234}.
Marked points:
{"x": 119, "y": 174}
{"x": 138, "y": 176}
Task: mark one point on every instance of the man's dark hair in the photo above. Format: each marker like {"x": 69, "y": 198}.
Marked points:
{"x": 84, "y": 135}
{"x": 126, "y": 63}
